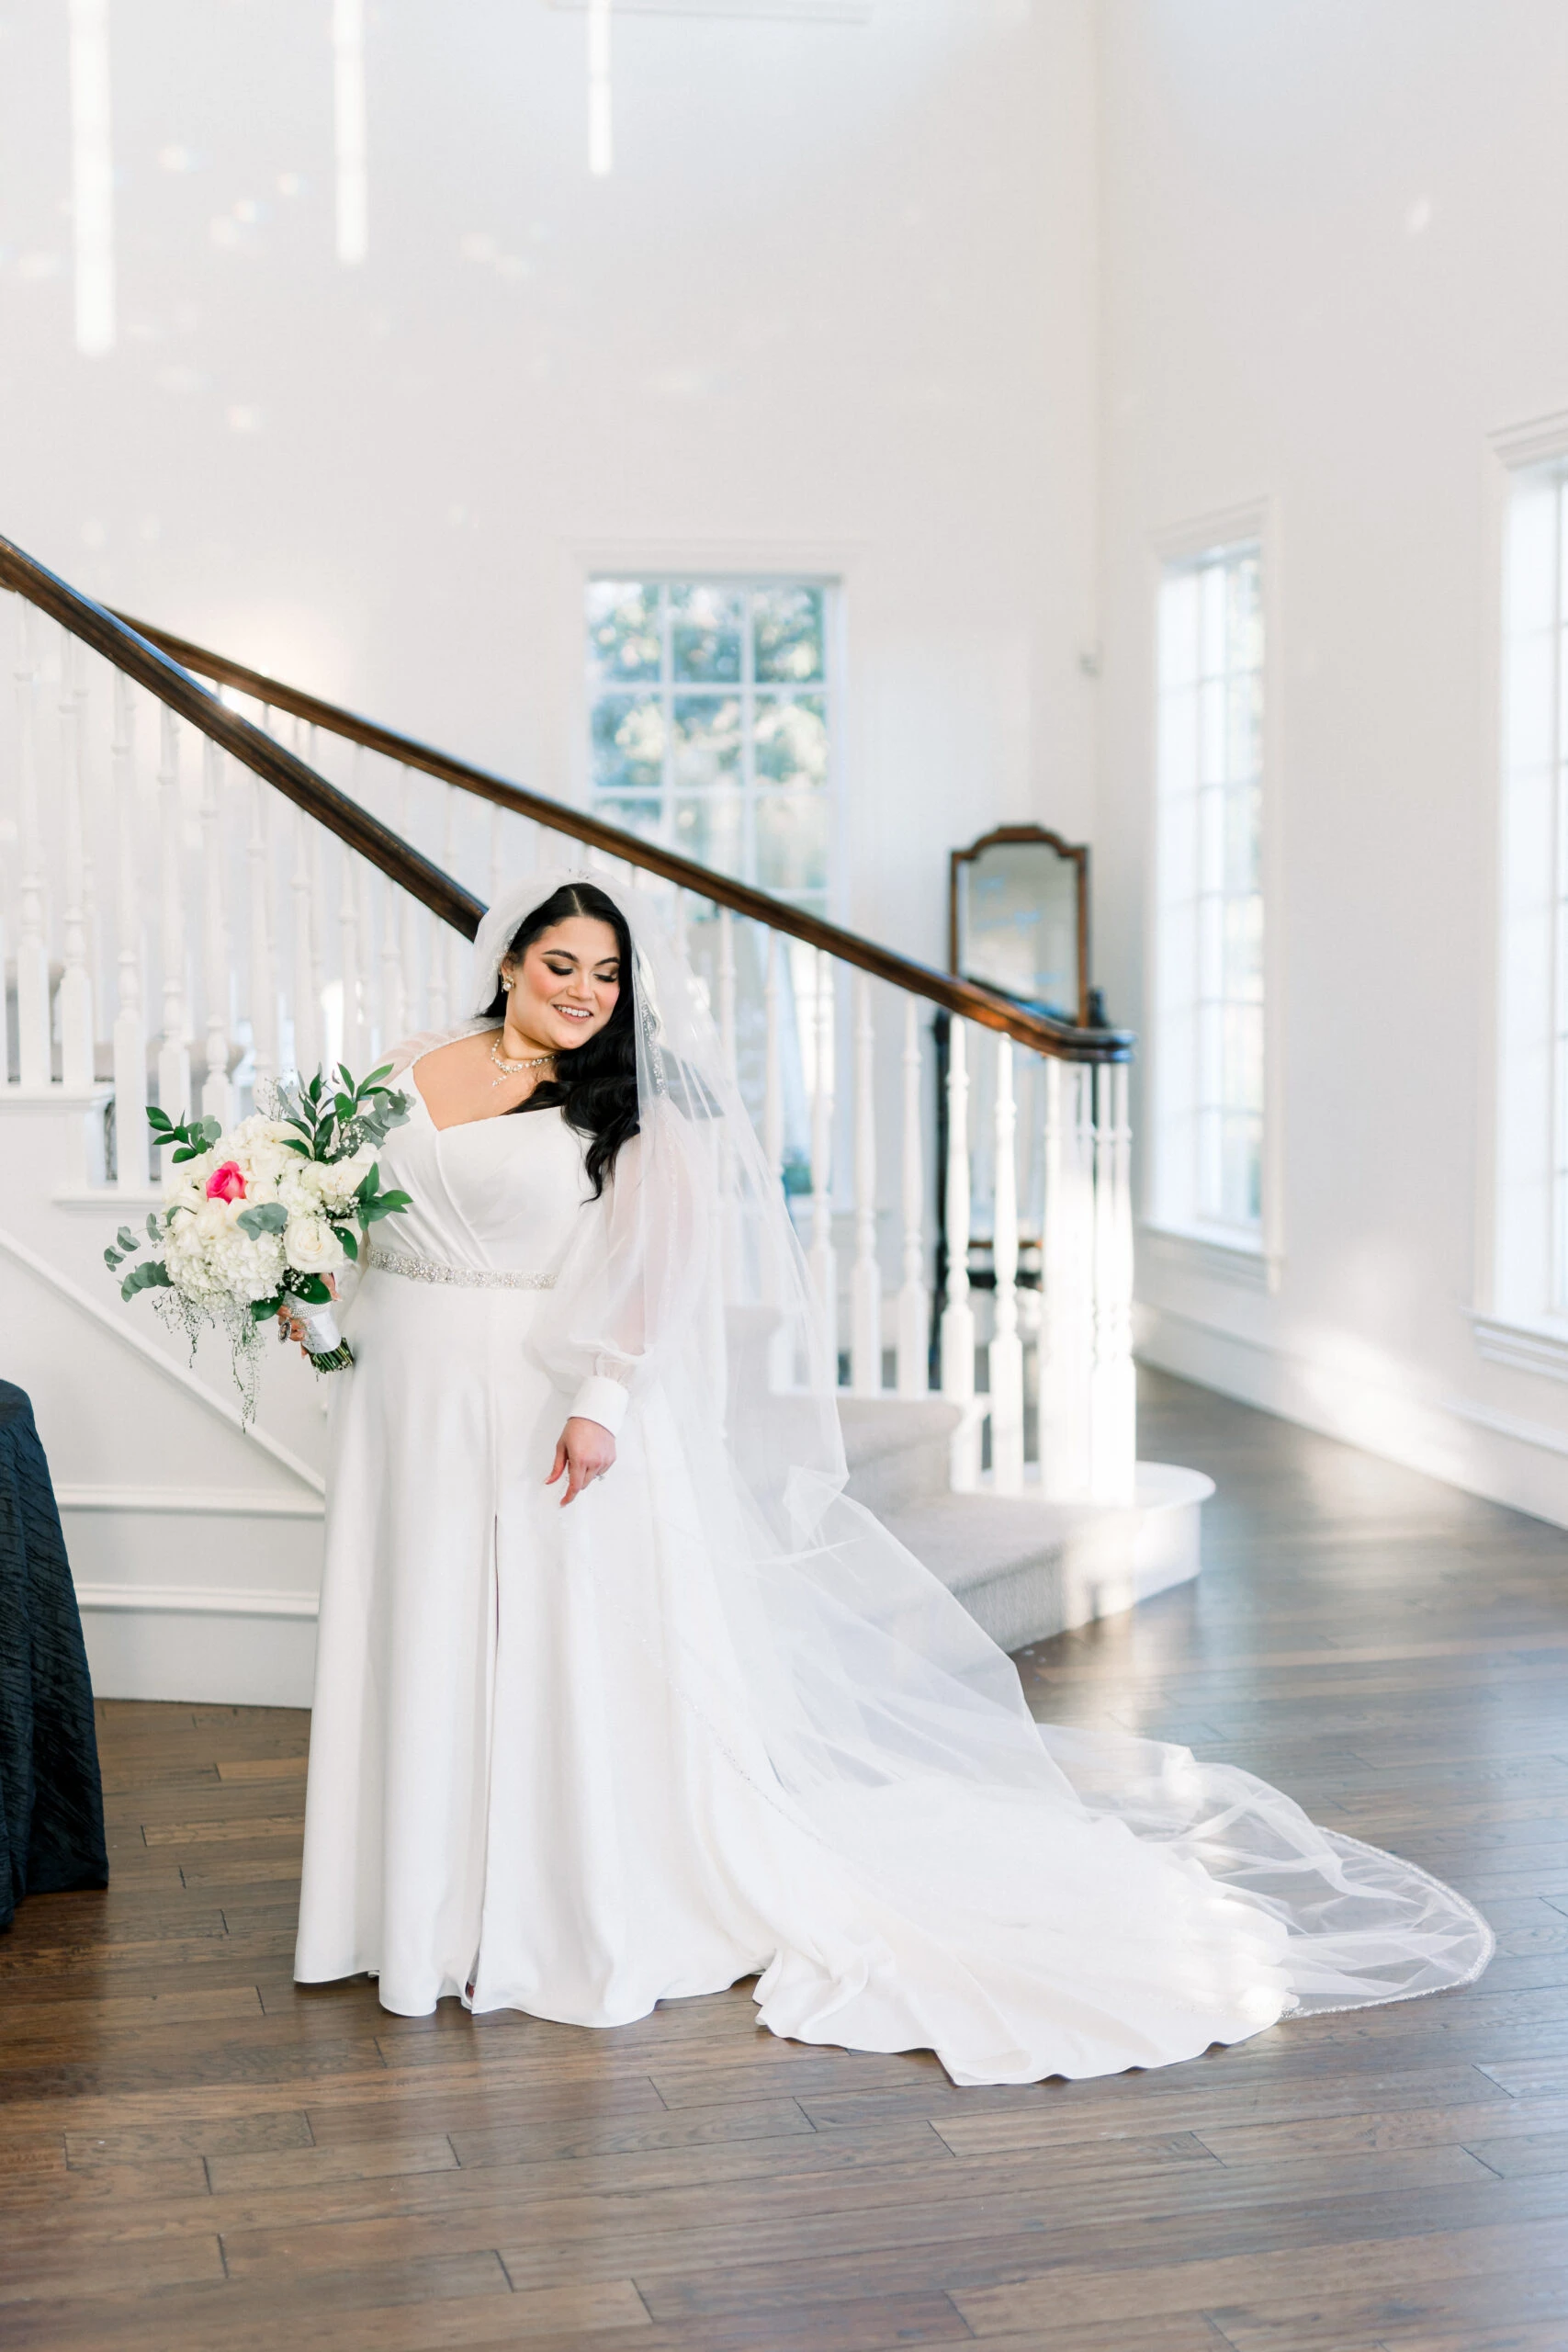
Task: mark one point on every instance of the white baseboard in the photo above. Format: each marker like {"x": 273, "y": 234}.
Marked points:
{"x": 1521, "y": 1464}
{"x": 254, "y": 1649}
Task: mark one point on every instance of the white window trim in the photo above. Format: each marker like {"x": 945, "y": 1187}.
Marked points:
{"x": 1256, "y": 1260}
{"x": 835, "y": 563}
{"x": 1504, "y": 1336}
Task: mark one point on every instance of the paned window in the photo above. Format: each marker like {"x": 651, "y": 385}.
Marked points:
{"x": 1208, "y": 1007}
{"x": 711, "y": 710}
{"x": 1532, "y": 1193}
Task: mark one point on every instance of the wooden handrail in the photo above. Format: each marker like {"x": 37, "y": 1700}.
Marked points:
{"x": 164, "y": 664}
{"x": 968, "y": 997}
{"x": 140, "y": 658}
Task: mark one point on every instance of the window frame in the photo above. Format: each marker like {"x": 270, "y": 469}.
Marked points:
{"x": 1249, "y": 1256}
{"x": 1522, "y": 1186}
{"x": 727, "y": 572}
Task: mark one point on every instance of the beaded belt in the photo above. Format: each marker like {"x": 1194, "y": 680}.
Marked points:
{"x": 425, "y": 1270}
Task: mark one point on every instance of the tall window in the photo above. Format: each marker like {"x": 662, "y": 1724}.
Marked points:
{"x": 1208, "y": 1008}
{"x": 1532, "y": 1195}
{"x": 711, "y": 710}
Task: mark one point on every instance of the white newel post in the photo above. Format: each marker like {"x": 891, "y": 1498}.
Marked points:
{"x": 264, "y": 985}
{"x": 217, "y": 1096}
{"x": 174, "y": 1051}
{"x": 1113, "y": 1394}
{"x": 865, "y": 1279}
{"x": 1067, "y": 1333}
{"x": 306, "y": 1005}
{"x": 129, "y": 1026}
{"x": 34, "y": 1056}
{"x": 824, "y": 1268}
{"x": 75, "y": 998}
{"x": 914, "y": 1300}
{"x": 1005, "y": 1356}
{"x": 957, "y": 1313}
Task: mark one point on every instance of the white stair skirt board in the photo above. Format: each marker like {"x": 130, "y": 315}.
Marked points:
{"x": 1024, "y": 1568}
{"x": 201, "y": 1649}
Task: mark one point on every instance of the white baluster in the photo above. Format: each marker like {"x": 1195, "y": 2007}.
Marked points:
{"x": 408, "y": 926}
{"x": 497, "y": 873}
{"x": 348, "y": 959}
{"x": 75, "y": 998}
{"x": 824, "y": 1271}
{"x": 173, "y": 1052}
{"x": 1005, "y": 1356}
{"x": 781, "y": 1345}
{"x": 443, "y": 997}
{"x": 394, "y": 1020}
{"x": 217, "y": 1096}
{"x": 957, "y": 1313}
{"x": 914, "y": 1300}
{"x": 263, "y": 984}
{"x": 129, "y": 1026}
{"x": 865, "y": 1280}
{"x": 92, "y": 914}
{"x": 773, "y": 1072}
{"x": 727, "y": 992}
{"x": 682, "y": 947}
{"x": 316, "y": 935}
{"x": 372, "y": 1025}
{"x": 1112, "y": 1391}
{"x": 307, "y": 1001}
{"x": 32, "y": 943}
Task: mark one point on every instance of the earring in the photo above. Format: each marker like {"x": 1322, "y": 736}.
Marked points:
{"x": 507, "y": 986}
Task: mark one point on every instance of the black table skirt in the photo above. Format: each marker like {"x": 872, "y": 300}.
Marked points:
{"x": 52, "y": 1808}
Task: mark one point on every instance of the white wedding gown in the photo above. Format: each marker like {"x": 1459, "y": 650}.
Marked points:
{"x": 540, "y": 1772}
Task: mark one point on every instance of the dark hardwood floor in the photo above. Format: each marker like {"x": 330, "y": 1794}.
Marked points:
{"x": 197, "y": 2156}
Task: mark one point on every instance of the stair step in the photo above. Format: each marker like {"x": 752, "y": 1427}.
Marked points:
{"x": 1025, "y": 1569}
{"x": 897, "y": 1448}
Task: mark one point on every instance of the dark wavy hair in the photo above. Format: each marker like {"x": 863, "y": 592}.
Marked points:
{"x": 594, "y": 1085}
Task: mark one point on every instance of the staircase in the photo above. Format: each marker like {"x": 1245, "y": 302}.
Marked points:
{"x": 208, "y": 877}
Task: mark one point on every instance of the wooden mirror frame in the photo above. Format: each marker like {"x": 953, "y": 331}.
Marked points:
{"x": 1077, "y": 852}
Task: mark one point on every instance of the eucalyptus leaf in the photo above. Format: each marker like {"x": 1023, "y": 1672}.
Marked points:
{"x": 150, "y": 1275}
{"x": 267, "y": 1217}
{"x": 126, "y": 1239}
{"x": 112, "y": 1258}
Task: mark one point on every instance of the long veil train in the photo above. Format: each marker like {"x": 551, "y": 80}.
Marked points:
{"x": 935, "y": 1868}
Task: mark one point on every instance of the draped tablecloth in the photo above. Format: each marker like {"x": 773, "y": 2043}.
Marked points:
{"x": 51, "y": 1812}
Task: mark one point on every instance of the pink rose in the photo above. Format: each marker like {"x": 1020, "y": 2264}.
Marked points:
{"x": 227, "y": 1183}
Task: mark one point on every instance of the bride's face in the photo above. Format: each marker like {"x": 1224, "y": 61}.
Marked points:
{"x": 565, "y": 984}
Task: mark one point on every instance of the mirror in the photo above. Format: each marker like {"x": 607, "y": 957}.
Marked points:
{"x": 1018, "y": 918}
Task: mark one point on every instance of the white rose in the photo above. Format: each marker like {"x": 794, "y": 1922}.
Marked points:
{"x": 341, "y": 1179}
{"x": 311, "y": 1246}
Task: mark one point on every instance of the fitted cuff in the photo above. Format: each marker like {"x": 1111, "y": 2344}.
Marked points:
{"x": 602, "y": 1400}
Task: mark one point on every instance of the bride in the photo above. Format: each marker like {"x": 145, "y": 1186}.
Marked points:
{"x": 620, "y": 1700}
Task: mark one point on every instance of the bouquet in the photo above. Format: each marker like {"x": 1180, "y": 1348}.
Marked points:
{"x": 262, "y": 1216}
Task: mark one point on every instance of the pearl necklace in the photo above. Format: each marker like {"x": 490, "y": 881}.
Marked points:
{"x": 513, "y": 1069}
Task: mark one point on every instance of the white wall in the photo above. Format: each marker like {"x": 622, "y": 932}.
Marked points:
{"x": 1335, "y": 237}
{"x": 834, "y": 305}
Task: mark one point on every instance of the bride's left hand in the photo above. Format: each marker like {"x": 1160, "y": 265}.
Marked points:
{"x": 584, "y": 1451}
